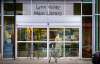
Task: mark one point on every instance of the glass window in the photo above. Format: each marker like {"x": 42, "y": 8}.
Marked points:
{"x": 71, "y": 49}
{"x": 9, "y": 36}
{"x": 56, "y": 49}
{"x": 19, "y": 8}
{"x": 23, "y": 49}
{"x": 87, "y": 9}
{"x": 97, "y": 6}
{"x": 39, "y": 49}
{"x": 9, "y": 8}
{"x": 56, "y": 34}
{"x": 8, "y": 20}
{"x": 72, "y": 34}
{"x": 87, "y": 37}
{"x": 29, "y": 34}
{"x": 39, "y": 34}
{"x": 87, "y": 0}
{"x": 0, "y": 8}
{"x": 0, "y": 20}
{"x": 97, "y": 33}
{"x": 77, "y": 8}
{"x": 0, "y": 34}
{"x": 24, "y": 34}
{"x": 87, "y": 19}
{"x": 9, "y": 1}
{"x": 0, "y": 39}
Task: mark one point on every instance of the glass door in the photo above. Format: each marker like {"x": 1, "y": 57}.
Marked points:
{"x": 44, "y": 42}
{"x": 64, "y": 42}
{"x": 56, "y": 42}
{"x": 31, "y": 42}
{"x": 39, "y": 42}
{"x": 72, "y": 42}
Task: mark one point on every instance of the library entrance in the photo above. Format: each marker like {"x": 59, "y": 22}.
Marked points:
{"x": 38, "y": 36}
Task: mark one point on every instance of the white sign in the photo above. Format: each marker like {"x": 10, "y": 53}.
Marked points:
{"x": 50, "y": 20}
{"x": 48, "y": 9}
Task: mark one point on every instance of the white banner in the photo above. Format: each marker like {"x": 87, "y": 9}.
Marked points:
{"x": 44, "y": 21}
{"x": 48, "y": 8}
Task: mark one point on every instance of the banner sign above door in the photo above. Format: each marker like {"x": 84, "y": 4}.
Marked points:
{"x": 46, "y": 21}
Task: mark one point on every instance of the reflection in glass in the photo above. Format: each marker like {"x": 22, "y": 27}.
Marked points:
{"x": 21, "y": 34}
{"x": 24, "y": 34}
{"x": 24, "y": 50}
{"x": 9, "y": 40}
{"x": 56, "y": 34}
{"x": 0, "y": 34}
{"x": 72, "y": 34}
{"x": 9, "y": 27}
{"x": 0, "y": 8}
{"x": 0, "y": 20}
{"x": 19, "y": 9}
{"x": 87, "y": 37}
{"x": 39, "y": 50}
{"x": 77, "y": 8}
{"x": 97, "y": 6}
{"x": 9, "y": 20}
{"x": 11, "y": 8}
{"x": 0, "y": 39}
{"x": 56, "y": 49}
{"x": 97, "y": 33}
{"x": 71, "y": 49}
{"x": 39, "y": 34}
{"x": 87, "y": 9}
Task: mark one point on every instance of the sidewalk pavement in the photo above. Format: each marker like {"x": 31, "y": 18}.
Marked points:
{"x": 45, "y": 61}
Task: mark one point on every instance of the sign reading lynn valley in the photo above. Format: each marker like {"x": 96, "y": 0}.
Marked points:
{"x": 48, "y": 9}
